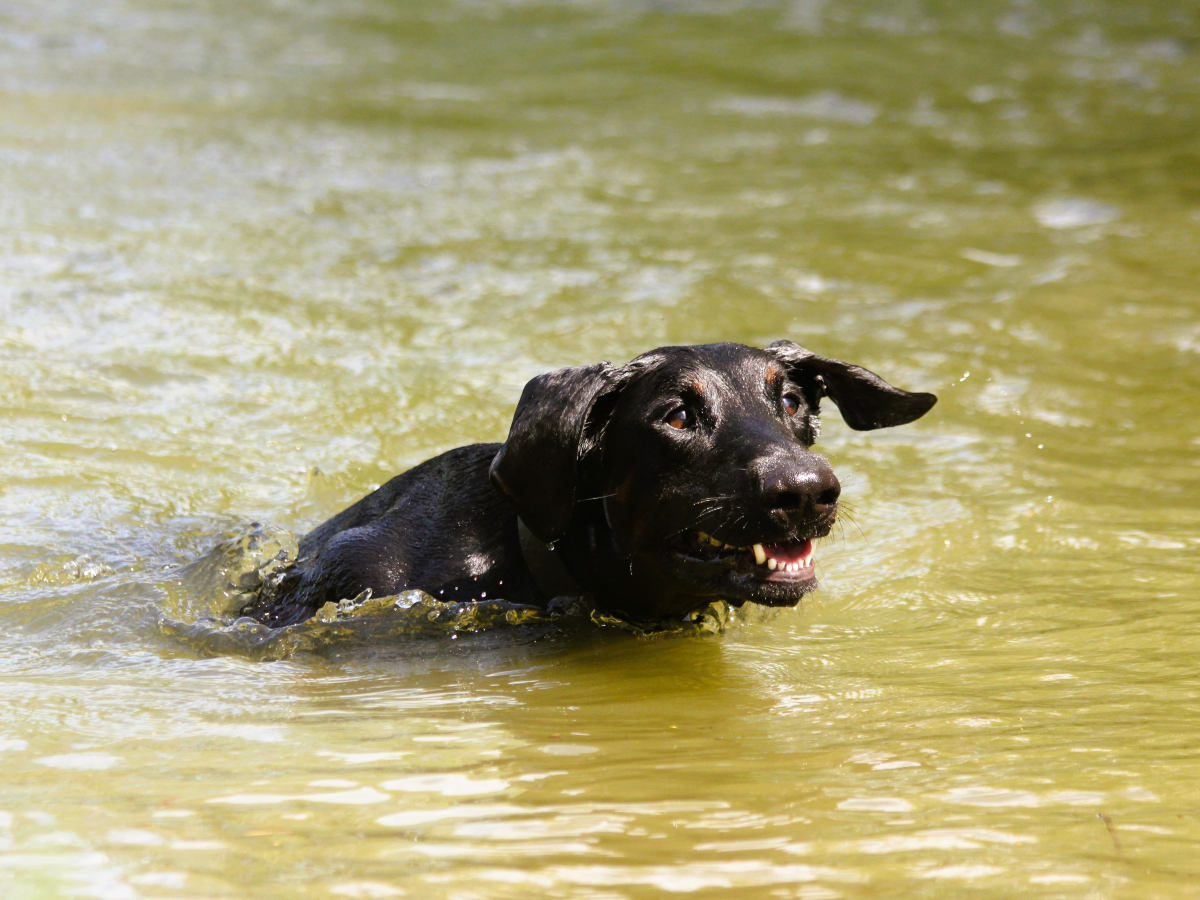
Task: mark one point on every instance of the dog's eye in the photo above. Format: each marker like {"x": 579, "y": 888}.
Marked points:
{"x": 680, "y": 418}
{"x": 791, "y": 405}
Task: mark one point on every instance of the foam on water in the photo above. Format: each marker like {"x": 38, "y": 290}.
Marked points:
{"x": 204, "y": 598}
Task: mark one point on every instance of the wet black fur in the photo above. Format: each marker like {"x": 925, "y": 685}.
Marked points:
{"x": 592, "y": 466}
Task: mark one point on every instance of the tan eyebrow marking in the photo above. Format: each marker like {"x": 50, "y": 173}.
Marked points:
{"x": 774, "y": 373}
{"x": 698, "y": 387}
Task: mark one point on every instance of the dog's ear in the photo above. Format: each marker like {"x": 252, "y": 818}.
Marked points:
{"x": 537, "y": 468}
{"x": 864, "y": 399}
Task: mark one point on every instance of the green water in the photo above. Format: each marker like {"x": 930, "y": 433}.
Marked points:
{"x": 257, "y": 257}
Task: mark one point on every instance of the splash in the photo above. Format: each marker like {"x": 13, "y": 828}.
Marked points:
{"x": 205, "y": 599}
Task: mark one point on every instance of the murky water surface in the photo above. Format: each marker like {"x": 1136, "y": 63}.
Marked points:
{"x": 257, "y": 257}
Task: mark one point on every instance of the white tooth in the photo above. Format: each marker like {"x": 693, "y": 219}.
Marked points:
{"x": 702, "y": 535}
{"x": 730, "y": 547}
{"x": 760, "y": 555}
{"x": 795, "y": 567}
{"x": 772, "y": 564}
{"x": 712, "y": 540}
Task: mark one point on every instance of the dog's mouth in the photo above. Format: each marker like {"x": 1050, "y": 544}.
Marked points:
{"x": 786, "y": 562}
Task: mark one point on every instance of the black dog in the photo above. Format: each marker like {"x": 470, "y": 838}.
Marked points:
{"x": 655, "y": 488}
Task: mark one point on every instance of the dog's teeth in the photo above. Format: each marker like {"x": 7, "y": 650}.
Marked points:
{"x": 760, "y": 555}
{"x": 712, "y": 540}
{"x": 772, "y": 564}
{"x": 702, "y": 535}
{"x": 729, "y": 547}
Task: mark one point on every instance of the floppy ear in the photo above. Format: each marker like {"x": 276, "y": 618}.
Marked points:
{"x": 538, "y": 465}
{"x": 864, "y": 399}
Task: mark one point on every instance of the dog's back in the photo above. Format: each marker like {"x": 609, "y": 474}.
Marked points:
{"x": 442, "y": 525}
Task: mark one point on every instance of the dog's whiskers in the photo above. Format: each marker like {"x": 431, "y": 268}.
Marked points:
{"x": 706, "y": 515}
{"x": 846, "y": 516}
{"x": 715, "y": 505}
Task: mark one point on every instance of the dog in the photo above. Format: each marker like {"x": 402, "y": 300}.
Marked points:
{"x": 654, "y": 488}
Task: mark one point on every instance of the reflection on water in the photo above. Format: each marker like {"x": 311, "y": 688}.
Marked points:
{"x": 257, "y": 258}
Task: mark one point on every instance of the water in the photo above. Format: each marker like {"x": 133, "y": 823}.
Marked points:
{"x": 255, "y": 258}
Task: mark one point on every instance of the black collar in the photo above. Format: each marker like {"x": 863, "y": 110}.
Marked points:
{"x": 549, "y": 572}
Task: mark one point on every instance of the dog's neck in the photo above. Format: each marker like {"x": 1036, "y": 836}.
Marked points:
{"x": 547, "y": 568}
{"x": 585, "y": 554}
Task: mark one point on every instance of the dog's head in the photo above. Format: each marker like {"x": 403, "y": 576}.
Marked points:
{"x": 686, "y": 476}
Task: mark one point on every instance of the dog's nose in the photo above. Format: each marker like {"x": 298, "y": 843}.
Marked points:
{"x": 808, "y": 487}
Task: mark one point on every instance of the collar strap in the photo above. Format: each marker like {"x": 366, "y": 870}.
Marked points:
{"x": 549, "y": 572}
